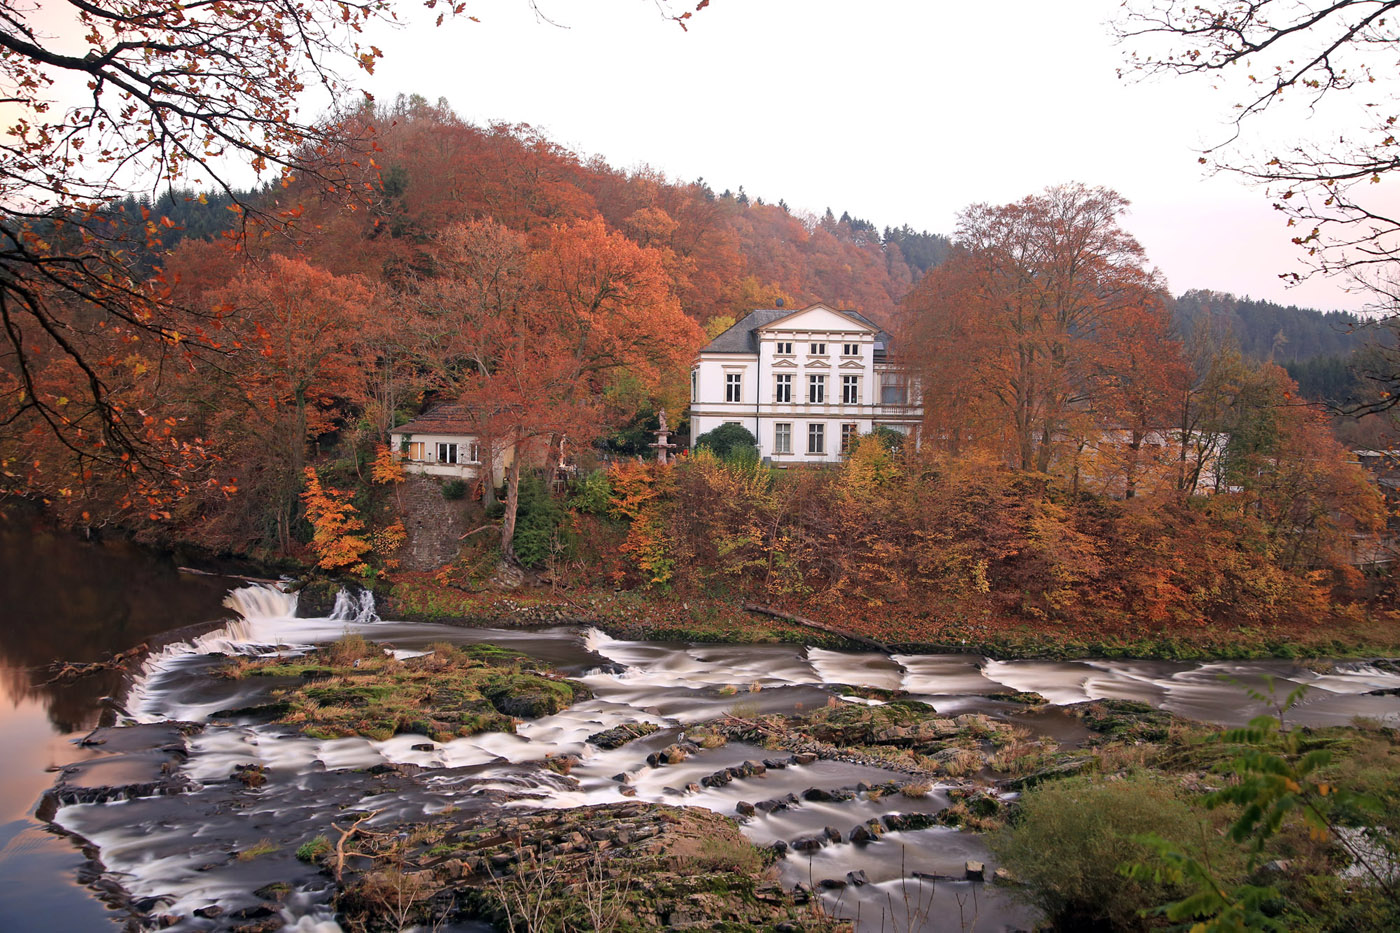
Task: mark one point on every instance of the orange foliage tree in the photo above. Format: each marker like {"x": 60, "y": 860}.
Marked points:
{"x": 337, "y": 542}
{"x": 1012, "y": 336}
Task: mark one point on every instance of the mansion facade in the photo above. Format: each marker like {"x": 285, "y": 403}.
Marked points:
{"x": 806, "y": 383}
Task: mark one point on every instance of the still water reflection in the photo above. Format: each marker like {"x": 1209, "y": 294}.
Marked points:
{"x": 62, "y": 599}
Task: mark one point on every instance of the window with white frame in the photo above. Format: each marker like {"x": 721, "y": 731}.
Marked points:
{"x": 816, "y": 438}
{"x": 446, "y": 453}
{"x": 474, "y": 452}
{"x": 817, "y": 349}
{"x": 782, "y": 387}
{"x": 784, "y": 348}
{"x": 733, "y": 387}
{"x": 782, "y": 438}
{"x": 849, "y": 433}
{"x": 850, "y": 349}
{"x": 816, "y": 390}
{"x": 850, "y": 390}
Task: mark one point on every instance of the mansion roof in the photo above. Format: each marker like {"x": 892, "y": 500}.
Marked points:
{"x": 743, "y": 336}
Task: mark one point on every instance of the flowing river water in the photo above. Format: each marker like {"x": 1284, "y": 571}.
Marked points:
{"x": 175, "y": 854}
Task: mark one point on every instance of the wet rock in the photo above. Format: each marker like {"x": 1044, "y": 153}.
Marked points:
{"x": 801, "y": 894}
{"x": 627, "y": 791}
{"x": 779, "y": 848}
{"x": 773, "y": 764}
{"x": 857, "y": 877}
{"x": 256, "y": 912}
{"x": 755, "y": 767}
{"x": 832, "y": 833}
{"x": 1003, "y": 876}
{"x": 276, "y": 891}
{"x": 861, "y": 835}
{"x": 692, "y": 788}
{"x": 673, "y": 754}
{"x": 808, "y": 843}
{"x": 622, "y": 777}
{"x": 744, "y": 808}
{"x": 424, "y": 747}
{"x": 832, "y": 884}
{"x": 817, "y": 794}
{"x": 210, "y": 912}
{"x": 974, "y": 870}
{"x": 250, "y": 775}
{"x": 803, "y": 758}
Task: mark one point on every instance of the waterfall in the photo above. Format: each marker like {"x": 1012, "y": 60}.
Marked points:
{"x": 354, "y": 606}
{"x": 258, "y": 603}
{"x": 262, "y": 602}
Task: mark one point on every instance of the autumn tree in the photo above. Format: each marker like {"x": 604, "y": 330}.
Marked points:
{"x": 300, "y": 334}
{"x": 1010, "y": 336}
{"x": 534, "y": 337}
{"x": 338, "y": 540}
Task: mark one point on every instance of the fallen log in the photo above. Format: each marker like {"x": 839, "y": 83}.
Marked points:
{"x": 818, "y": 626}
{"x": 232, "y": 576}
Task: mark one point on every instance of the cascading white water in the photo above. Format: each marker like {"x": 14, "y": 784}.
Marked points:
{"x": 256, "y": 604}
{"x": 357, "y": 608}
{"x": 262, "y": 602}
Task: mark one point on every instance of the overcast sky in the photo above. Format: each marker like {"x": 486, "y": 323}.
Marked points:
{"x": 898, "y": 111}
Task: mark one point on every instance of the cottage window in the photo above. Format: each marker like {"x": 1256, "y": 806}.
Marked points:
{"x": 818, "y": 349}
{"x": 782, "y": 388}
{"x": 784, "y": 348}
{"x": 782, "y": 438}
{"x": 850, "y": 390}
{"x": 447, "y": 453}
{"x": 416, "y": 451}
{"x": 733, "y": 387}
{"x": 850, "y": 349}
{"x": 816, "y": 438}
{"x": 816, "y": 390}
{"x": 474, "y": 452}
{"x": 849, "y": 433}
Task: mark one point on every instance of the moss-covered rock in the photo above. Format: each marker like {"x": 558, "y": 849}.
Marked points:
{"x": 355, "y": 688}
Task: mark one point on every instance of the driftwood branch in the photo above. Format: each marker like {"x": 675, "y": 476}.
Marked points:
{"x": 474, "y": 531}
{"x": 345, "y": 836}
{"x": 65, "y": 671}
{"x": 818, "y": 626}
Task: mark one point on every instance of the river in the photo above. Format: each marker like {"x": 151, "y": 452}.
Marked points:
{"x": 177, "y": 855}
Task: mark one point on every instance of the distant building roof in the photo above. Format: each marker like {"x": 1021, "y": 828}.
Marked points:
{"x": 452, "y": 418}
{"x": 742, "y": 337}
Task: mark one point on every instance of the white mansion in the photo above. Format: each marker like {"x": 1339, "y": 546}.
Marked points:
{"x": 805, "y": 382}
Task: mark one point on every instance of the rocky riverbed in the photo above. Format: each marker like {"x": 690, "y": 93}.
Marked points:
{"x": 676, "y": 786}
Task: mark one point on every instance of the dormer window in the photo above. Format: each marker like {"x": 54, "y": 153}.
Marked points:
{"x": 817, "y": 349}
{"x": 784, "y": 348}
{"x": 850, "y": 349}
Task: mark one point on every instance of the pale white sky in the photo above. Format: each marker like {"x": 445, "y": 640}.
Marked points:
{"x": 898, "y": 111}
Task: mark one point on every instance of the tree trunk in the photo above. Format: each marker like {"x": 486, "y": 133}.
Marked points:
{"x": 512, "y": 505}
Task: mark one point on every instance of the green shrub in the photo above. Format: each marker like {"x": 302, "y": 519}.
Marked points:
{"x": 454, "y": 489}
{"x": 592, "y": 493}
{"x": 730, "y": 441}
{"x": 1070, "y": 836}
{"x": 540, "y": 532}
